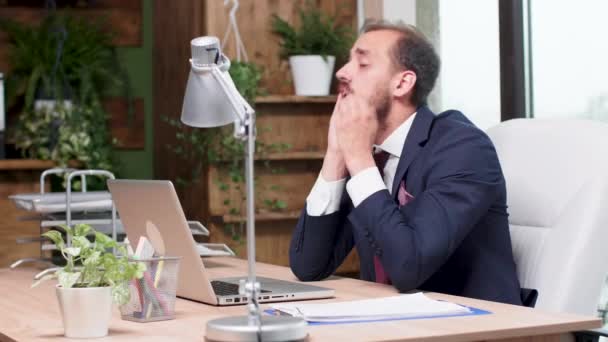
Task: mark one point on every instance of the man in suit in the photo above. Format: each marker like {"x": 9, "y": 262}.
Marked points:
{"x": 421, "y": 196}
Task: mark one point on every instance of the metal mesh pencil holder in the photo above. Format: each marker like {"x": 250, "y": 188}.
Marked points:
{"x": 153, "y": 296}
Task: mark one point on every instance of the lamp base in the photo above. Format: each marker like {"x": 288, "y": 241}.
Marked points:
{"x": 274, "y": 328}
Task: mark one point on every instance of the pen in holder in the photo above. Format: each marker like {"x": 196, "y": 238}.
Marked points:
{"x": 153, "y": 296}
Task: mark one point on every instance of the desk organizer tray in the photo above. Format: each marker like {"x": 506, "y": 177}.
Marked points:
{"x": 102, "y": 222}
{"x": 55, "y": 202}
{"x": 213, "y": 249}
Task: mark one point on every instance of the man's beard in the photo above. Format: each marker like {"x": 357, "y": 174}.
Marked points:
{"x": 381, "y": 101}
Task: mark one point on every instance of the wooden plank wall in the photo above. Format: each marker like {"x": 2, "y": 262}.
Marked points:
{"x": 128, "y": 130}
{"x": 301, "y": 125}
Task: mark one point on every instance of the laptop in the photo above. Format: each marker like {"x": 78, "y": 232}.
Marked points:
{"x": 152, "y": 209}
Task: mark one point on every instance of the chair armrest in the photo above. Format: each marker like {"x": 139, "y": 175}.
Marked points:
{"x": 592, "y": 335}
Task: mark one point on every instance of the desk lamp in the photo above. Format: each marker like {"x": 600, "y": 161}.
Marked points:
{"x": 212, "y": 100}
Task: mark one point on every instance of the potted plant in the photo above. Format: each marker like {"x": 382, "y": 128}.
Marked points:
{"x": 312, "y": 49}
{"x": 92, "y": 278}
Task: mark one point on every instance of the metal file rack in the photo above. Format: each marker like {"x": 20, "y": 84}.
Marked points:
{"x": 42, "y": 203}
{"x": 48, "y": 203}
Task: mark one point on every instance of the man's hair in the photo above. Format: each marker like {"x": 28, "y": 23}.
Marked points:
{"x": 411, "y": 52}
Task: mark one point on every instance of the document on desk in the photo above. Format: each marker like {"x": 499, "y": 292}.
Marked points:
{"x": 402, "y": 306}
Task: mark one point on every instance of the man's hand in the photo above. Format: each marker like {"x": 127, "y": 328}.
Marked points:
{"x": 356, "y": 129}
{"x": 334, "y": 167}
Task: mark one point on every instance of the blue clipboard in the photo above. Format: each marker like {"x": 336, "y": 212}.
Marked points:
{"x": 473, "y": 312}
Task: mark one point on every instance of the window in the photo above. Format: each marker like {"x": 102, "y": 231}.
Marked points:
{"x": 469, "y": 80}
{"x": 569, "y": 57}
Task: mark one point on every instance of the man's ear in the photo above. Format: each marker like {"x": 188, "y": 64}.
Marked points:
{"x": 405, "y": 82}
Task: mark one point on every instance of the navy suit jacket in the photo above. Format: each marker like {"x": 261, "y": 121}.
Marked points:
{"x": 453, "y": 237}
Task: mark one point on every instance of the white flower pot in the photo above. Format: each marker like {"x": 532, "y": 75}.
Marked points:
{"x": 86, "y": 312}
{"x": 312, "y": 74}
{"x": 50, "y": 105}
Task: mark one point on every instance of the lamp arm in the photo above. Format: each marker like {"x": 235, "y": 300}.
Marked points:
{"x": 241, "y": 108}
{"x": 244, "y": 129}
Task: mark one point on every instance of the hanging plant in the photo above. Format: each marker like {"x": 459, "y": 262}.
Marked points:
{"x": 67, "y": 135}
{"x": 63, "y": 58}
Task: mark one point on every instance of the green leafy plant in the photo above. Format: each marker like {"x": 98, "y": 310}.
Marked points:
{"x": 63, "y": 57}
{"x": 92, "y": 264}
{"x": 318, "y": 34}
{"x": 246, "y": 77}
{"x": 65, "y": 135}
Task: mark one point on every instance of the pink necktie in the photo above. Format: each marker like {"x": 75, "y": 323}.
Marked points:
{"x": 404, "y": 198}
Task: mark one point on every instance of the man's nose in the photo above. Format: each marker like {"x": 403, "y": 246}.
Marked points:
{"x": 343, "y": 74}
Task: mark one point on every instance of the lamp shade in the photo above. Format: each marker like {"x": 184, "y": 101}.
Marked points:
{"x": 207, "y": 102}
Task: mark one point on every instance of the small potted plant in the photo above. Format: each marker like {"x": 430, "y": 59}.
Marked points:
{"x": 91, "y": 280}
{"x": 312, "y": 49}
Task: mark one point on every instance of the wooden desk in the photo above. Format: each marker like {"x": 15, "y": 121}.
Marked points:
{"x": 33, "y": 314}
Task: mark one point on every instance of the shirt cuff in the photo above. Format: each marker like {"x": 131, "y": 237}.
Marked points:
{"x": 325, "y": 197}
{"x": 364, "y": 184}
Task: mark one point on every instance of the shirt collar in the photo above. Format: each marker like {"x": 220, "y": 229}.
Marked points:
{"x": 393, "y": 144}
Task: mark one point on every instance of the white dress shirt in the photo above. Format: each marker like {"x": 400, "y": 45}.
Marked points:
{"x": 324, "y": 198}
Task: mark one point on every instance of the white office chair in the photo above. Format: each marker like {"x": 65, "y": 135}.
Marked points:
{"x": 557, "y": 192}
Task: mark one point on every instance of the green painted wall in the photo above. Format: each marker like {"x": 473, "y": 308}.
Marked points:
{"x": 138, "y": 62}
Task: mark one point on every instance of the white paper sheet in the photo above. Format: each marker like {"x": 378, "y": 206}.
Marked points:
{"x": 402, "y": 306}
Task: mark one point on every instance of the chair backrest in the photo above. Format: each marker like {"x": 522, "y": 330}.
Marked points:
{"x": 557, "y": 192}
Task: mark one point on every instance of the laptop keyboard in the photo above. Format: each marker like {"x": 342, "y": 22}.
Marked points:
{"x": 222, "y": 288}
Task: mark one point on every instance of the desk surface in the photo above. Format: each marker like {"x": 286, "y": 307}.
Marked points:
{"x": 33, "y": 314}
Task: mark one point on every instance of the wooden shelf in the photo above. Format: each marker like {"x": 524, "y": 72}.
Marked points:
{"x": 26, "y": 164}
{"x": 121, "y": 18}
{"x": 295, "y": 155}
{"x": 264, "y": 216}
{"x": 295, "y": 99}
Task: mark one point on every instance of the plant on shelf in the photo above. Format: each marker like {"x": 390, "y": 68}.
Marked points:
{"x": 219, "y": 147}
{"x": 313, "y": 48}
{"x": 60, "y": 70}
{"x": 92, "y": 278}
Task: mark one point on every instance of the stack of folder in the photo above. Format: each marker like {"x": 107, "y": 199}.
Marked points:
{"x": 404, "y": 306}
